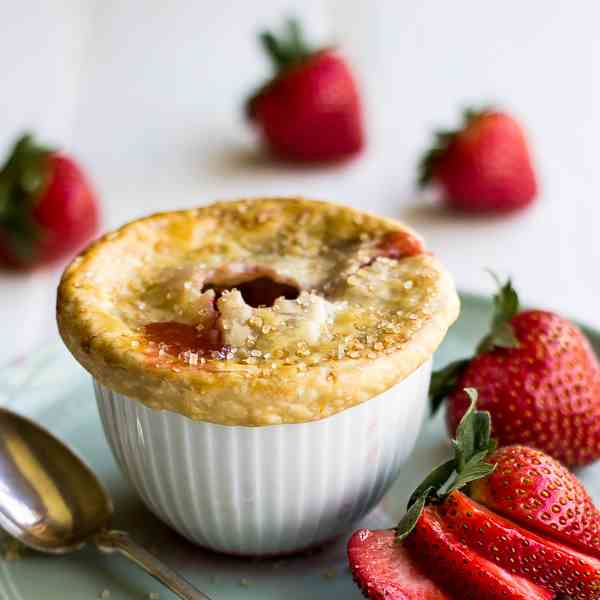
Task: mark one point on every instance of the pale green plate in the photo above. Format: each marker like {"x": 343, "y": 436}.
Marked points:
{"x": 52, "y": 389}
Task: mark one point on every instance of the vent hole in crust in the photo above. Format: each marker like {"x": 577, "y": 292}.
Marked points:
{"x": 260, "y": 291}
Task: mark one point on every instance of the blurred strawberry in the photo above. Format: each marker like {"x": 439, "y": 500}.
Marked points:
{"x": 483, "y": 167}
{"x": 48, "y": 209}
{"x": 310, "y": 110}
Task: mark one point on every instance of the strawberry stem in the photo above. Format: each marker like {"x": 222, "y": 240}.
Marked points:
{"x": 472, "y": 446}
{"x": 287, "y": 50}
{"x": 506, "y": 306}
{"x": 444, "y": 381}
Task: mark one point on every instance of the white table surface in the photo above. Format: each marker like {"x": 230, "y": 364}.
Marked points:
{"x": 147, "y": 94}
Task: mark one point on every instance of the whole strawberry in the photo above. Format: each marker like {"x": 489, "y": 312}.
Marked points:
{"x": 538, "y": 377}
{"x": 457, "y": 538}
{"x": 310, "y": 110}
{"x": 483, "y": 167}
{"x": 48, "y": 209}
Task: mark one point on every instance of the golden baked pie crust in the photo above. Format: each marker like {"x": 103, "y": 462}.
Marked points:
{"x": 100, "y": 311}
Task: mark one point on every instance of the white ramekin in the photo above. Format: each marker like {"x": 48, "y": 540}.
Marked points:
{"x": 265, "y": 490}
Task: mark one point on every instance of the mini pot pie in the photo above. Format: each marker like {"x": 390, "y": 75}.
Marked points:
{"x": 255, "y": 312}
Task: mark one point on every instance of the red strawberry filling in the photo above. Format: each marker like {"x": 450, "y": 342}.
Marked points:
{"x": 400, "y": 244}
{"x": 396, "y": 245}
{"x": 178, "y": 339}
{"x": 191, "y": 342}
{"x": 172, "y": 341}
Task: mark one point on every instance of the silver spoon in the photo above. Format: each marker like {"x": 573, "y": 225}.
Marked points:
{"x": 52, "y": 502}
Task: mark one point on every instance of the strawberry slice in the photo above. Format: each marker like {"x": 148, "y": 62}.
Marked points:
{"x": 508, "y": 546}
{"x": 384, "y": 570}
{"x": 536, "y": 491}
{"x": 453, "y": 565}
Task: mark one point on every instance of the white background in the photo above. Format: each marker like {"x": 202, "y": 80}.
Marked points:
{"x": 148, "y": 95}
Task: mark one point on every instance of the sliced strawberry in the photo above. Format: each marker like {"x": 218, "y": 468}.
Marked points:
{"x": 383, "y": 569}
{"x": 470, "y": 551}
{"x": 541, "y": 561}
{"x": 456, "y": 567}
{"x": 536, "y": 491}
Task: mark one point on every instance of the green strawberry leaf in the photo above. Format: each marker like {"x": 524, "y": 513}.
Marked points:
{"x": 464, "y": 444}
{"x": 471, "y": 113}
{"x": 503, "y": 336}
{"x": 434, "y": 481}
{"x": 506, "y": 306}
{"x": 473, "y": 444}
{"x": 296, "y": 41}
{"x": 483, "y": 432}
{"x": 469, "y": 474}
{"x": 443, "y": 382}
{"x": 473, "y": 470}
{"x": 431, "y": 158}
{"x": 412, "y": 515}
{"x": 22, "y": 180}
{"x": 506, "y": 301}
{"x": 288, "y": 49}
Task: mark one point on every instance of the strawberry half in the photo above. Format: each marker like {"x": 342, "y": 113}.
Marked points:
{"x": 482, "y": 167}
{"x": 384, "y": 570}
{"x": 310, "y": 111}
{"x": 537, "y": 375}
{"x": 536, "y": 491}
{"x": 48, "y": 209}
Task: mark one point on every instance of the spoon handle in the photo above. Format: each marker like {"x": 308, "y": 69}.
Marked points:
{"x": 120, "y": 541}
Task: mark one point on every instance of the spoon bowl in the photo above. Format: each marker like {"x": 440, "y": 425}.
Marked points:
{"x": 49, "y": 498}
{"x": 52, "y": 502}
